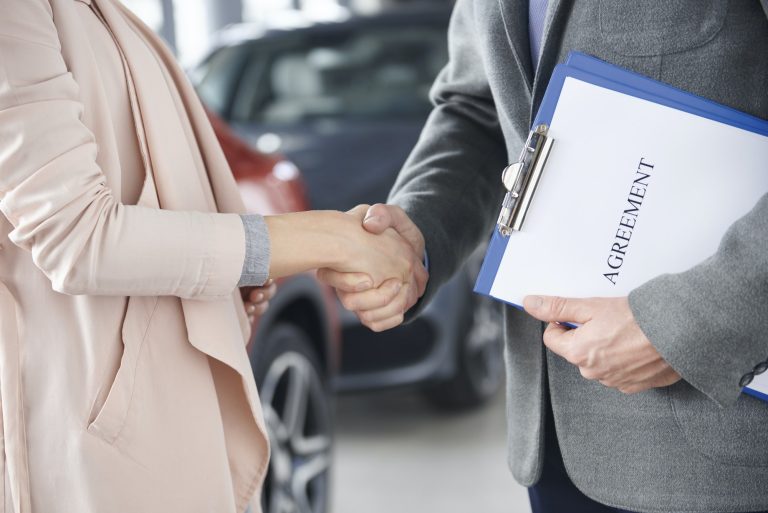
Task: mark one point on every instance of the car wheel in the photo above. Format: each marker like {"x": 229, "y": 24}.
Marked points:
{"x": 297, "y": 411}
{"x": 479, "y": 359}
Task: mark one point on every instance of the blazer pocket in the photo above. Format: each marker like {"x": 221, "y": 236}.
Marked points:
{"x": 731, "y": 436}
{"x": 108, "y": 415}
{"x": 643, "y": 28}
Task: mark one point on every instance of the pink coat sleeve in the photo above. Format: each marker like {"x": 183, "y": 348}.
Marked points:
{"x": 55, "y": 195}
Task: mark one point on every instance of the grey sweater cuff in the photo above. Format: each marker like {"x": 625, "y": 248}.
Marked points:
{"x": 257, "y": 251}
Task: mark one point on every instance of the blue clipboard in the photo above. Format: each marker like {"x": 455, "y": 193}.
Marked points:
{"x": 600, "y": 73}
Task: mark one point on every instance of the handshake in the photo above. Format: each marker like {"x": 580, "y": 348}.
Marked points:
{"x": 382, "y": 274}
{"x": 372, "y": 256}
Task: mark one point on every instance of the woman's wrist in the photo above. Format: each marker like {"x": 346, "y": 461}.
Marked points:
{"x": 308, "y": 240}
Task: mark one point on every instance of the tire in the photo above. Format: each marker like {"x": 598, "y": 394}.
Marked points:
{"x": 479, "y": 361}
{"x": 297, "y": 405}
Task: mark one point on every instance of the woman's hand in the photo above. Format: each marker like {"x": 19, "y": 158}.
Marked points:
{"x": 384, "y": 307}
{"x": 373, "y": 259}
{"x": 326, "y": 239}
{"x": 257, "y": 299}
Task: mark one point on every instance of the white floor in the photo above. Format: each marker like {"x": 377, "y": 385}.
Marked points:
{"x": 396, "y": 454}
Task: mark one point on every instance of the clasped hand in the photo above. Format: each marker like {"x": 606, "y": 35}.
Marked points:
{"x": 608, "y": 346}
{"x": 382, "y": 306}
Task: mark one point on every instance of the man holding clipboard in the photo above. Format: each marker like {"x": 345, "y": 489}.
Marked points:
{"x": 640, "y": 408}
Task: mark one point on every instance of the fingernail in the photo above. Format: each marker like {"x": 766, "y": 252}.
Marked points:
{"x": 371, "y": 218}
{"x": 250, "y": 309}
{"x": 259, "y": 297}
{"x": 363, "y": 285}
{"x": 533, "y": 302}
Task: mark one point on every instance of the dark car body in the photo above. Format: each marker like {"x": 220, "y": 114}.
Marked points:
{"x": 346, "y": 102}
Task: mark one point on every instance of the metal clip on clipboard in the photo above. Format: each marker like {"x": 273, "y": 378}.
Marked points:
{"x": 521, "y": 179}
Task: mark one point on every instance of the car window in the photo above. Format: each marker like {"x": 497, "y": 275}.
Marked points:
{"x": 374, "y": 73}
{"x": 217, "y": 76}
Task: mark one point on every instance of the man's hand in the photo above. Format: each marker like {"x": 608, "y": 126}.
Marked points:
{"x": 257, "y": 299}
{"x": 384, "y": 307}
{"x": 608, "y": 347}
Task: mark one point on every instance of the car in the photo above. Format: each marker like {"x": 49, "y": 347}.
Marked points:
{"x": 294, "y": 346}
{"x": 346, "y": 100}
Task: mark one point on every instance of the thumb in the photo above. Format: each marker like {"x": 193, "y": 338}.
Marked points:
{"x": 559, "y": 309}
{"x": 381, "y": 216}
{"x": 378, "y": 218}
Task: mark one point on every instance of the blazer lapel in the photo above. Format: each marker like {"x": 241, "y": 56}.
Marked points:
{"x": 557, "y": 15}
{"x": 514, "y": 16}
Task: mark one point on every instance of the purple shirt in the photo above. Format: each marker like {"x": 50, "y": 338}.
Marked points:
{"x": 537, "y": 12}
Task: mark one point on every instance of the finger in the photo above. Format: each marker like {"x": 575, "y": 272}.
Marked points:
{"x": 559, "y": 309}
{"x": 271, "y": 290}
{"x": 422, "y": 277}
{"x": 345, "y": 282}
{"x": 415, "y": 291}
{"x": 381, "y": 216}
{"x": 392, "y": 309}
{"x": 359, "y": 211}
{"x": 664, "y": 379}
{"x": 417, "y": 287}
{"x": 378, "y": 218}
{"x": 560, "y": 340}
{"x": 263, "y": 293}
{"x": 256, "y": 309}
{"x": 387, "y": 324}
{"x": 371, "y": 299}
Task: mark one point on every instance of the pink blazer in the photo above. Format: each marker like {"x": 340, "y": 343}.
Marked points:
{"x": 125, "y": 386}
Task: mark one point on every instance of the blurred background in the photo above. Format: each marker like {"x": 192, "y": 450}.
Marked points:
{"x": 317, "y": 104}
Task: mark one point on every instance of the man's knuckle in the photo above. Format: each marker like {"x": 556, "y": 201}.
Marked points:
{"x": 558, "y": 307}
{"x": 346, "y": 301}
{"x": 402, "y": 304}
{"x": 576, "y": 356}
{"x": 376, "y": 327}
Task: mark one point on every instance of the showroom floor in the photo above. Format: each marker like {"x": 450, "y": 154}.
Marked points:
{"x": 395, "y": 454}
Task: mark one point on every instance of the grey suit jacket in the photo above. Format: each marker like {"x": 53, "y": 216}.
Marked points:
{"x": 699, "y": 445}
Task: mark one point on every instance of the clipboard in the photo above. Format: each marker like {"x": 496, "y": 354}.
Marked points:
{"x": 522, "y": 178}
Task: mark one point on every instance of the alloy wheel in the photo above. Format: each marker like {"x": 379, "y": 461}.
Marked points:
{"x": 295, "y": 410}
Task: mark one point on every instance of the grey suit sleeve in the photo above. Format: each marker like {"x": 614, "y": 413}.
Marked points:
{"x": 257, "y": 251}
{"x": 450, "y": 185}
{"x": 709, "y": 323}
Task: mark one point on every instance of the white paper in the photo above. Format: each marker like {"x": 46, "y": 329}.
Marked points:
{"x": 760, "y": 384}
{"x": 705, "y": 176}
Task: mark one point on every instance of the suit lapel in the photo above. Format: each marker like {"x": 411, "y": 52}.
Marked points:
{"x": 557, "y": 15}
{"x": 514, "y": 16}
